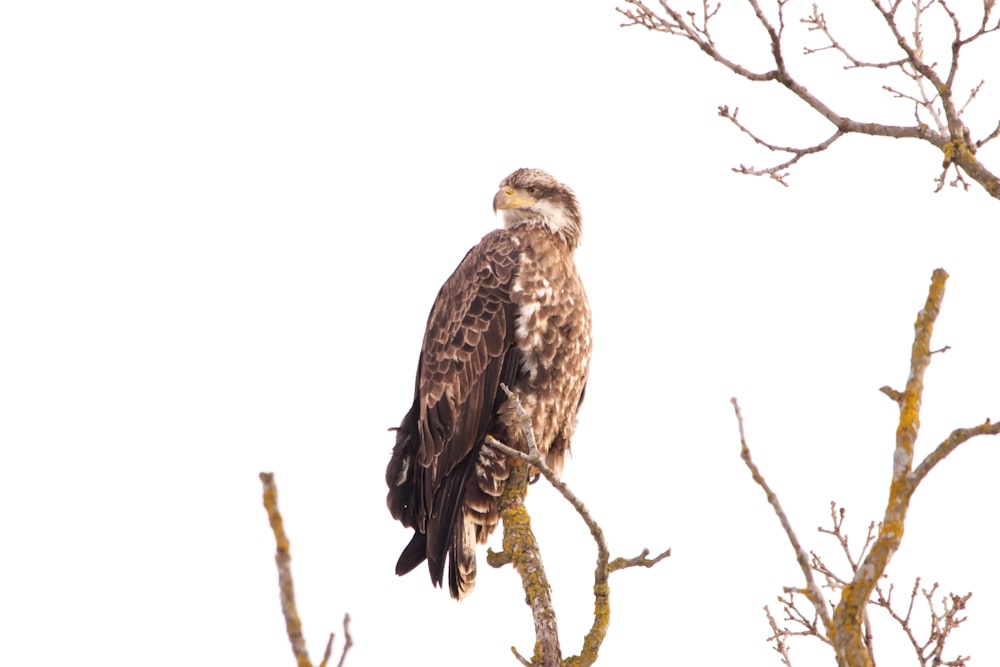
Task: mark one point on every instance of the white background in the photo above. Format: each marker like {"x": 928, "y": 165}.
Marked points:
{"x": 222, "y": 225}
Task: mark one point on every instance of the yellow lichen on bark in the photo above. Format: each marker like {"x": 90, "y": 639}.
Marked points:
{"x": 521, "y": 549}
{"x": 598, "y": 630}
{"x": 845, "y": 631}
{"x": 282, "y": 558}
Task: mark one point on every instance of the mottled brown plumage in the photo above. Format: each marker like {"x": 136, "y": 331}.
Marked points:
{"x": 513, "y": 312}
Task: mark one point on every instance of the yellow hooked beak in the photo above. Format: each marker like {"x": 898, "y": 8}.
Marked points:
{"x": 508, "y": 197}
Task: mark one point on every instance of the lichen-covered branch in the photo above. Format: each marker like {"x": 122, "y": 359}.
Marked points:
{"x": 283, "y": 559}
{"x": 849, "y": 614}
{"x": 519, "y": 541}
{"x": 905, "y": 479}
{"x": 933, "y": 84}
{"x": 642, "y": 560}
{"x": 520, "y": 548}
{"x": 536, "y": 587}
{"x": 849, "y": 630}
{"x": 943, "y": 618}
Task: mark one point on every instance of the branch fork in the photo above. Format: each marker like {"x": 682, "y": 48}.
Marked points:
{"x": 521, "y": 550}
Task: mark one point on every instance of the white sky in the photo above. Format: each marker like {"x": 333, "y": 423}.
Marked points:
{"x": 222, "y": 225}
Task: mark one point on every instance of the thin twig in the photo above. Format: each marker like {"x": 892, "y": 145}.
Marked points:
{"x": 348, "y": 641}
{"x": 929, "y": 652}
{"x": 778, "y": 637}
{"x": 328, "y": 650}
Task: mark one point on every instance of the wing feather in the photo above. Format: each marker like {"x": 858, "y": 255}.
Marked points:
{"x": 468, "y": 349}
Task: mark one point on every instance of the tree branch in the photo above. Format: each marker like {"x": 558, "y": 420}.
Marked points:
{"x": 951, "y": 136}
{"x": 848, "y": 616}
{"x": 778, "y": 637}
{"x": 812, "y": 591}
{"x": 777, "y": 172}
{"x": 520, "y": 548}
{"x": 283, "y": 559}
{"x": 849, "y": 629}
{"x": 957, "y": 437}
{"x": 602, "y": 592}
{"x": 929, "y": 652}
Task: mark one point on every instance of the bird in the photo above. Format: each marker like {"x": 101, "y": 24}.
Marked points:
{"x": 515, "y": 313}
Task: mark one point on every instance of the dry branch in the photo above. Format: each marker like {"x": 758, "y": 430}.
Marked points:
{"x": 849, "y": 614}
{"x": 778, "y": 637}
{"x": 283, "y": 559}
{"x": 936, "y": 118}
{"x": 521, "y": 549}
{"x": 905, "y": 480}
{"x": 849, "y": 630}
{"x": 944, "y": 617}
{"x": 930, "y": 651}
{"x": 812, "y": 591}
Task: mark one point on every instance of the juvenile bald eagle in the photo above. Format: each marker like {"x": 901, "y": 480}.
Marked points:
{"x": 513, "y": 312}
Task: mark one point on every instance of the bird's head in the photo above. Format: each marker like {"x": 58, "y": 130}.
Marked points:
{"x": 532, "y": 196}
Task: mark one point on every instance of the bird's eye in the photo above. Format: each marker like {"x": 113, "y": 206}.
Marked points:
{"x": 532, "y": 190}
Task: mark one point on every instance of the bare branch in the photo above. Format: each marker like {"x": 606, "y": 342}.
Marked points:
{"x": 849, "y": 614}
{"x": 896, "y": 396}
{"x": 933, "y": 102}
{"x": 348, "y": 640}
{"x": 809, "y": 623}
{"x": 957, "y": 437}
{"x": 678, "y": 25}
{"x": 812, "y": 592}
{"x": 639, "y": 561}
{"x": 283, "y": 558}
{"x": 957, "y": 148}
{"x": 776, "y": 172}
{"x": 972, "y": 95}
{"x": 778, "y": 637}
{"x": 520, "y": 658}
{"x": 837, "y": 517}
{"x": 989, "y": 137}
{"x": 849, "y": 631}
{"x": 328, "y": 650}
{"x": 348, "y": 643}
{"x": 817, "y": 22}
{"x": 602, "y": 592}
{"x": 929, "y": 652}
{"x": 521, "y": 549}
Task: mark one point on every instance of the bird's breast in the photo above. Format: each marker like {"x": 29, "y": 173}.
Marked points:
{"x": 552, "y": 326}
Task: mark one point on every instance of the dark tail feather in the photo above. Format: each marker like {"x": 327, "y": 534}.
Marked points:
{"x": 413, "y": 555}
{"x": 462, "y": 558}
